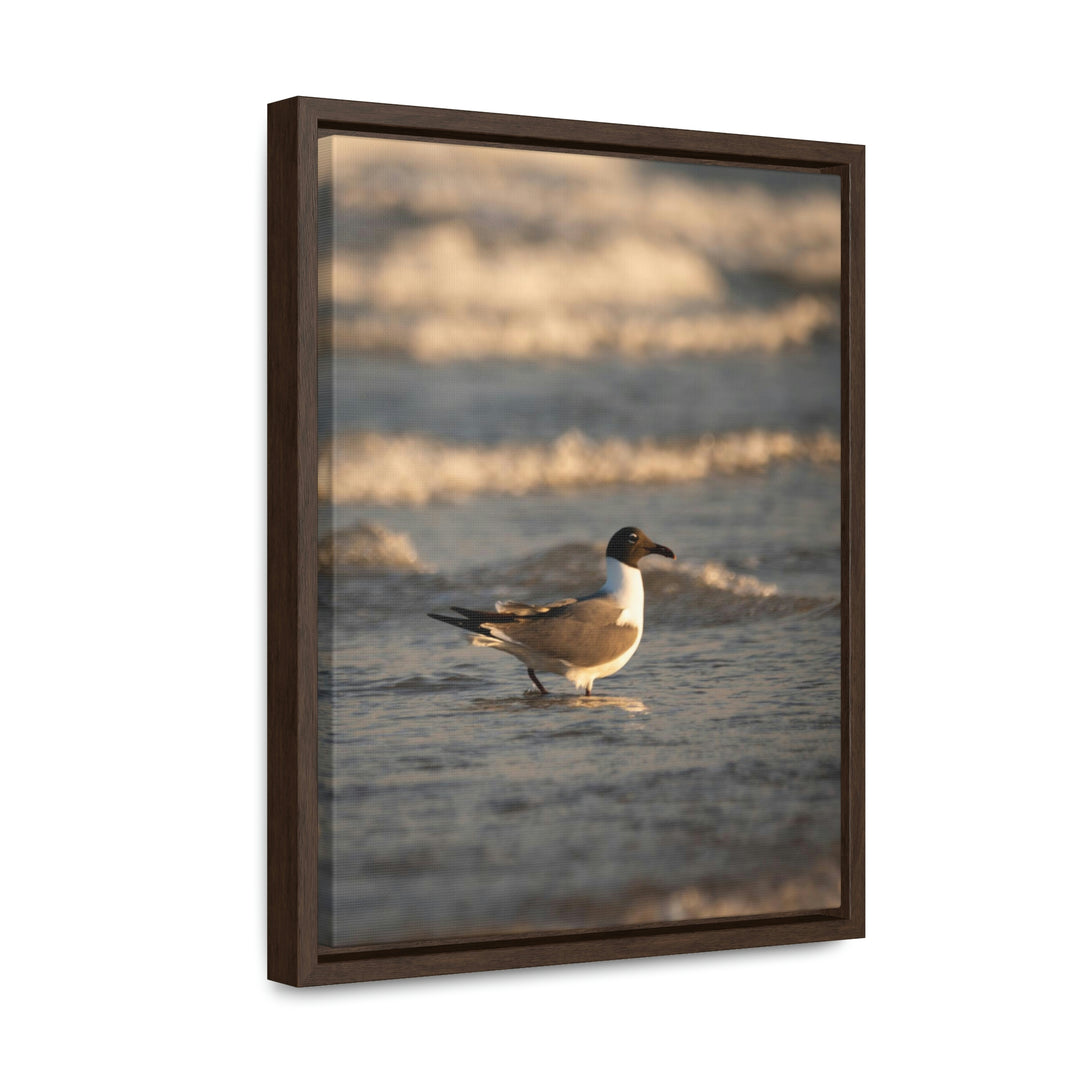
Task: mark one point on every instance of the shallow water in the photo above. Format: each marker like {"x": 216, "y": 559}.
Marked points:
{"x": 702, "y": 779}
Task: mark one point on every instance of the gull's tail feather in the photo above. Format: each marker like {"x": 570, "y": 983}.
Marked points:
{"x": 472, "y": 620}
{"x": 480, "y": 622}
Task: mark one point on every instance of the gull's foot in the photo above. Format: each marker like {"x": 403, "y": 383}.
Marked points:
{"x": 539, "y": 684}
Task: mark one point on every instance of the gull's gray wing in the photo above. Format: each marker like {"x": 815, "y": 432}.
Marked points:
{"x": 584, "y": 633}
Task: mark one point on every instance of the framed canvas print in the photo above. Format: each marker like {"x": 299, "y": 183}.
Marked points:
{"x": 565, "y": 541}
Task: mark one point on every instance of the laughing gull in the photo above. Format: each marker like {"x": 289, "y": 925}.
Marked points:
{"x": 584, "y": 639}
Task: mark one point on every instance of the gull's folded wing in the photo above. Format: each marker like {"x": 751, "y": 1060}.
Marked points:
{"x": 584, "y": 634}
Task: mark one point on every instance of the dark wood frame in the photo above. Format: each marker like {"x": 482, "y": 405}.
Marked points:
{"x": 294, "y": 955}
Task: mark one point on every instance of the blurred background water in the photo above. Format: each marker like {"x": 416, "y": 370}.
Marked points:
{"x": 520, "y": 353}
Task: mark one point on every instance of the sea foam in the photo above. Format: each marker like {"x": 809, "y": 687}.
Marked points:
{"x": 368, "y": 546}
{"x": 442, "y": 253}
{"x": 393, "y": 470}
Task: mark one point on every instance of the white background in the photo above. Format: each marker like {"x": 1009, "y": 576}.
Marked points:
{"x": 133, "y": 445}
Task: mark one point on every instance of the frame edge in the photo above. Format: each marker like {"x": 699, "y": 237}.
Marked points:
{"x": 292, "y": 575}
{"x": 292, "y": 891}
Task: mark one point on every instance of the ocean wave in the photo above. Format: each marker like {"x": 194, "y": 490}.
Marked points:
{"x": 788, "y": 225}
{"x": 689, "y": 591}
{"x": 445, "y": 267}
{"x": 368, "y": 546}
{"x": 815, "y": 889}
{"x": 444, "y": 253}
{"x": 713, "y": 575}
{"x": 571, "y": 564}
{"x": 436, "y": 336}
{"x": 393, "y": 470}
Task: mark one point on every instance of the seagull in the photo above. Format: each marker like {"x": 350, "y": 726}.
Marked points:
{"x": 583, "y": 639}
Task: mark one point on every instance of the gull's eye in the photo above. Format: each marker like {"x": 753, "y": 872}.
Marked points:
{"x": 633, "y": 538}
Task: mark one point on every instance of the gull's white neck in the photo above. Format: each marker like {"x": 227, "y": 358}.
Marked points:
{"x": 624, "y": 586}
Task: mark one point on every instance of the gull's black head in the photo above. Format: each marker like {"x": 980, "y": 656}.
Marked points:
{"x": 629, "y": 545}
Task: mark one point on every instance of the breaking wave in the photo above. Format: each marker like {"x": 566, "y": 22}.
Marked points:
{"x": 790, "y": 226}
{"x": 368, "y": 546}
{"x": 379, "y": 570}
{"x": 688, "y": 589}
{"x": 442, "y": 253}
{"x": 712, "y": 575}
{"x": 394, "y": 470}
{"x": 439, "y": 335}
{"x": 371, "y": 546}
{"x": 576, "y": 563}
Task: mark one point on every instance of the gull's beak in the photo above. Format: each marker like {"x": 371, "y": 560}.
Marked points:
{"x": 659, "y": 549}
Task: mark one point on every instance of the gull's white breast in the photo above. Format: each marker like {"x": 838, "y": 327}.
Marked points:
{"x": 625, "y": 587}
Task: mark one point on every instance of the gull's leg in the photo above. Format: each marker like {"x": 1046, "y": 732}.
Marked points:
{"x": 539, "y": 684}
{"x": 588, "y": 690}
